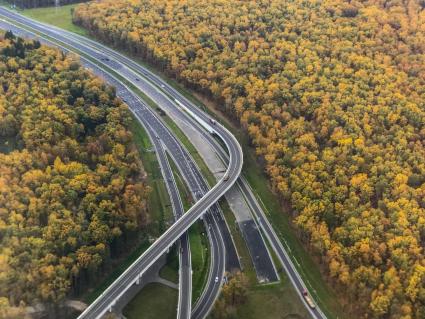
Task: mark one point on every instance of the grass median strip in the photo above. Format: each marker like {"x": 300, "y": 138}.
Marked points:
{"x": 184, "y": 192}
{"x": 60, "y": 16}
{"x": 199, "y": 245}
{"x": 170, "y": 271}
{"x": 159, "y": 201}
{"x": 200, "y": 259}
{"x": 147, "y": 305}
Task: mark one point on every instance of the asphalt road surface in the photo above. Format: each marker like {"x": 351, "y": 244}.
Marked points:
{"x": 184, "y": 306}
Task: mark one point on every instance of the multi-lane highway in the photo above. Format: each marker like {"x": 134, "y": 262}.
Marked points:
{"x": 261, "y": 218}
{"x": 175, "y": 150}
{"x": 216, "y": 191}
{"x": 166, "y": 97}
{"x": 223, "y": 251}
{"x": 184, "y": 305}
{"x": 185, "y": 271}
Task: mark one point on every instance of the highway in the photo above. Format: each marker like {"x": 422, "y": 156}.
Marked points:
{"x": 166, "y": 97}
{"x": 185, "y": 271}
{"x": 107, "y": 299}
{"x": 184, "y": 305}
{"x": 147, "y": 115}
{"x": 226, "y": 251}
{"x": 187, "y": 167}
{"x": 260, "y": 216}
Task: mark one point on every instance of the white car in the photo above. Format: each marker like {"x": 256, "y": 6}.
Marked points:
{"x": 216, "y": 279}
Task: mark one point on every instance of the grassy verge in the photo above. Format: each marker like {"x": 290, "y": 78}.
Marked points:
{"x": 170, "y": 271}
{"x": 199, "y": 248}
{"x": 197, "y": 239}
{"x": 191, "y": 149}
{"x": 245, "y": 258}
{"x": 159, "y": 202}
{"x": 277, "y": 215}
{"x": 277, "y": 301}
{"x": 60, "y": 16}
{"x": 147, "y": 305}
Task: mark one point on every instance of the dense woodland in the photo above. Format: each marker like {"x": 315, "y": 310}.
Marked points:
{"x": 332, "y": 94}
{"x": 72, "y": 188}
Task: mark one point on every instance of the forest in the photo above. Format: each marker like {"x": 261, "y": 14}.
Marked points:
{"x": 72, "y": 186}
{"x": 332, "y": 94}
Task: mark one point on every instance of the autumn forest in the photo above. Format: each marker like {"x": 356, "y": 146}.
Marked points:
{"x": 332, "y": 94}
{"x": 72, "y": 184}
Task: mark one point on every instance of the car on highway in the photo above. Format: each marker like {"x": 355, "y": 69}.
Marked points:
{"x": 216, "y": 279}
{"x": 308, "y": 299}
